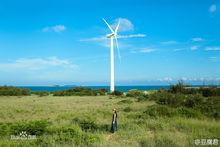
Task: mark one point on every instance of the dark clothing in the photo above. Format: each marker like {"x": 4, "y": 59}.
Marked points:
{"x": 114, "y": 122}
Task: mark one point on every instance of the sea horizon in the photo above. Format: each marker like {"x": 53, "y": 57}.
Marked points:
{"x": 123, "y": 88}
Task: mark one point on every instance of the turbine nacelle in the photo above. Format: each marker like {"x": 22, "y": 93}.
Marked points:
{"x": 110, "y": 35}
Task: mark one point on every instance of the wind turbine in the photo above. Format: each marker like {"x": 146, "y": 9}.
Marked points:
{"x": 113, "y": 36}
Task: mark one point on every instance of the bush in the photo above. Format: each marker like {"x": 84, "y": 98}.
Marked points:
{"x": 134, "y": 93}
{"x": 211, "y": 107}
{"x": 182, "y": 88}
{"x": 13, "y": 91}
{"x": 166, "y": 111}
{"x": 173, "y": 100}
{"x": 86, "y": 124}
{"x": 210, "y": 91}
{"x": 178, "y": 88}
{"x": 70, "y": 134}
{"x": 80, "y": 91}
{"x": 116, "y": 93}
{"x": 188, "y": 112}
{"x": 32, "y": 128}
{"x": 139, "y": 94}
{"x": 192, "y": 101}
{"x": 160, "y": 110}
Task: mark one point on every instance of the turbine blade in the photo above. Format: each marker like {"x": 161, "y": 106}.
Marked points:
{"x": 108, "y": 26}
{"x": 116, "y": 30}
{"x": 119, "y": 55}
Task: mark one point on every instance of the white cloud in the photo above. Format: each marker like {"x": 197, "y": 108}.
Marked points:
{"x": 132, "y": 36}
{"x": 125, "y": 24}
{"x": 56, "y": 28}
{"x": 197, "y": 39}
{"x": 165, "y": 79}
{"x": 36, "y": 64}
{"x": 212, "y": 48}
{"x": 212, "y": 8}
{"x": 195, "y": 47}
{"x": 38, "y": 71}
{"x": 143, "y": 50}
{"x": 147, "y": 50}
{"x": 170, "y": 42}
{"x": 178, "y": 49}
{"x": 101, "y": 38}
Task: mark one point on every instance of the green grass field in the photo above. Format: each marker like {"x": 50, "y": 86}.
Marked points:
{"x": 86, "y": 121}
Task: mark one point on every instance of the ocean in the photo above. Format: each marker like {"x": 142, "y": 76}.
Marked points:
{"x": 120, "y": 88}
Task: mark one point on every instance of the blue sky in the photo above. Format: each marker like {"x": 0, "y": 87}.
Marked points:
{"x": 47, "y": 42}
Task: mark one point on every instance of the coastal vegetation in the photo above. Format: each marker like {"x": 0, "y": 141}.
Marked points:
{"x": 82, "y": 117}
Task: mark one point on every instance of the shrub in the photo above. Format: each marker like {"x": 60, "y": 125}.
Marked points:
{"x": 13, "y": 91}
{"x": 116, "y": 93}
{"x": 210, "y": 91}
{"x": 160, "y": 110}
{"x": 139, "y": 94}
{"x": 188, "y": 112}
{"x": 134, "y": 93}
{"x": 70, "y": 134}
{"x": 192, "y": 101}
{"x": 178, "y": 88}
{"x": 182, "y": 88}
{"x": 143, "y": 98}
{"x": 32, "y": 128}
{"x": 80, "y": 91}
{"x": 102, "y": 91}
{"x": 173, "y": 100}
{"x": 210, "y": 107}
{"x": 86, "y": 124}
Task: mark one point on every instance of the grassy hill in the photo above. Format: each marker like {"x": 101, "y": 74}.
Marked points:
{"x": 86, "y": 121}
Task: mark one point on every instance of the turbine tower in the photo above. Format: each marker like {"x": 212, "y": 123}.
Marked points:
{"x": 113, "y": 36}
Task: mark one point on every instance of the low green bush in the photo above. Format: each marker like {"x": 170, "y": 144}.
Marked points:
{"x": 134, "y": 93}
{"x": 31, "y": 128}
{"x": 80, "y": 91}
{"x": 71, "y": 134}
{"x": 188, "y": 112}
{"x": 13, "y": 91}
{"x": 166, "y": 111}
{"x": 173, "y": 100}
{"x": 210, "y": 107}
{"x": 160, "y": 110}
{"x": 116, "y": 93}
{"x": 86, "y": 124}
{"x": 210, "y": 91}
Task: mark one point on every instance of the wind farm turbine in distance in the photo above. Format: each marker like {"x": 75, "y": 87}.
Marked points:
{"x": 113, "y": 36}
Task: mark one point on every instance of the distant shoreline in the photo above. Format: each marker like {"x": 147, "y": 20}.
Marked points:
{"x": 120, "y": 88}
